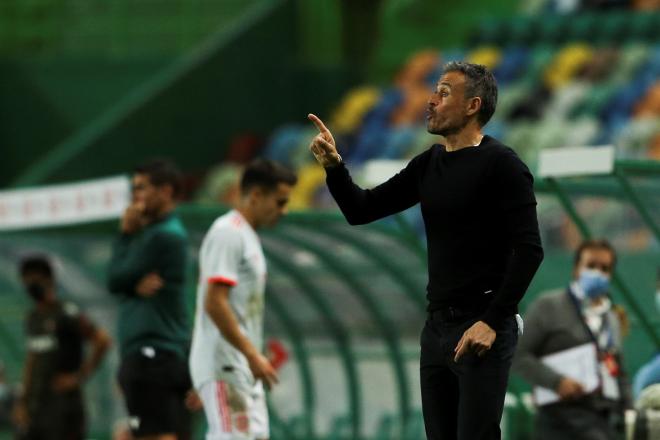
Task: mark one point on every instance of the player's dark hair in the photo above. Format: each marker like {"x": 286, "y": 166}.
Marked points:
{"x": 479, "y": 82}
{"x": 36, "y": 264}
{"x": 266, "y": 174}
{"x": 162, "y": 172}
{"x": 594, "y": 244}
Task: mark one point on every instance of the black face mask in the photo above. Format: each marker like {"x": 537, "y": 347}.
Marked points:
{"x": 36, "y": 291}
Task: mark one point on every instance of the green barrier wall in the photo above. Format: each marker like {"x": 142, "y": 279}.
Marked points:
{"x": 347, "y": 302}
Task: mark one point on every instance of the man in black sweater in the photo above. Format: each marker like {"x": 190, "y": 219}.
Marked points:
{"x": 483, "y": 244}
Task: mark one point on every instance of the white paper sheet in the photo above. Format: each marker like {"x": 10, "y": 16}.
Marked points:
{"x": 578, "y": 363}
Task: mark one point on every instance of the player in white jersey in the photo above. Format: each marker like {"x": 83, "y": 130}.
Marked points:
{"x": 226, "y": 361}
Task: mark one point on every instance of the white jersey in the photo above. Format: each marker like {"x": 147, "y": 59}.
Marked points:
{"x": 231, "y": 254}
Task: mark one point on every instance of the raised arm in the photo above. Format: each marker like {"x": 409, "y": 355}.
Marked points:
{"x": 359, "y": 205}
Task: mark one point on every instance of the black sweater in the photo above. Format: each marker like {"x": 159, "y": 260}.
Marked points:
{"x": 479, "y": 211}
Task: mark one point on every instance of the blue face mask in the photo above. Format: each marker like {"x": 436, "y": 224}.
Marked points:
{"x": 593, "y": 283}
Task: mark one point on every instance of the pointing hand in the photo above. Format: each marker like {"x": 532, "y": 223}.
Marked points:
{"x": 323, "y": 145}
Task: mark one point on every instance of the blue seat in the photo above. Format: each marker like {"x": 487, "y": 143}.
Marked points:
{"x": 283, "y": 142}
{"x": 513, "y": 63}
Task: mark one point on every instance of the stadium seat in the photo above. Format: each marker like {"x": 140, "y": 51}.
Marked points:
{"x": 581, "y": 27}
{"x": 512, "y": 63}
{"x": 351, "y": 110}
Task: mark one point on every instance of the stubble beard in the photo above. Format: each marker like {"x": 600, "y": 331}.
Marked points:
{"x": 446, "y": 130}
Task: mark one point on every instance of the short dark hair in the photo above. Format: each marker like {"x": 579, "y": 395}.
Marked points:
{"x": 479, "y": 81}
{"x": 266, "y": 174}
{"x": 36, "y": 264}
{"x": 162, "y": 172}
{"x": 598, "y": 243}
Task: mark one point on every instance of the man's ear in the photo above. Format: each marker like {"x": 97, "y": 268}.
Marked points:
{"x": 167, "y": 191}
{"x": 255, "y": 193}
{"x": 474, "y": 105}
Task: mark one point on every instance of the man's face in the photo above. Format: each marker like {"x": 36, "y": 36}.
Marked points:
{"x": 448, "y": 110}
{"x": 149, "y": 197}
{"x": 38, "y": 285}
{"x": 595, "y": 259}
{"x": 270, "y": 206}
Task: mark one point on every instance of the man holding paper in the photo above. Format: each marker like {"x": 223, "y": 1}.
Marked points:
{"x": 571, "y": 354}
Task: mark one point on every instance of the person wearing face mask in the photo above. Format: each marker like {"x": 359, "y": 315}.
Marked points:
{"x": 51, "y": 404}
{"x": 556, "y": 321}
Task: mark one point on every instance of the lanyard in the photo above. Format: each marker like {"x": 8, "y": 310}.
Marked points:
{"x": 605, "y": 354}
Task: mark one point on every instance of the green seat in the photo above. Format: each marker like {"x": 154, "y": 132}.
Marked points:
{"x": 567, "y": 97}
{"x": 580, "y": 27}
{"x": 582, "y": 131}
{"x": 521, "y": 31}
{"x": 595, "y": 101}
{"x": 552, "y": 30}
{"x": 509, "y": 97}
{"x": 643, "y": 27}
{"x": 541, "y": 58}
{"x": 489, "y": 32}
{"x": 612, "y": 28}
{"x": 550, "y": 133}
{"x": 632, "y": 56}
{"x": 520, "y": 136}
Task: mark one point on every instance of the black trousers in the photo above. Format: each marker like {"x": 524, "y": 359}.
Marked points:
{"x": 464, "y": 400}
{"x": 57, "y": 417}
{"x": 574, "y": 421}
{"x": 154, "y": 389}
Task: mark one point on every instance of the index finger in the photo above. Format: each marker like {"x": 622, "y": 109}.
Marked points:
{"x": 463, "y": 347}
{"x": 318, "y": 122}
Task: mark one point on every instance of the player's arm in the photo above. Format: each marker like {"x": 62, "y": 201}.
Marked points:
{"x": 218, "y": 307}
{"x": 126, "y": 268}
{"x": 20, "y": 415}
{"x": 100, "y": 342}
{"x": 143, "y": 274}
{"x": 167, "y": 251}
